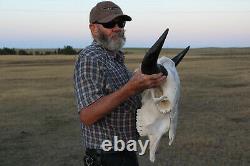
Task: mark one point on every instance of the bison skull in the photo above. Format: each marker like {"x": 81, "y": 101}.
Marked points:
{"x": 159, "y": 111}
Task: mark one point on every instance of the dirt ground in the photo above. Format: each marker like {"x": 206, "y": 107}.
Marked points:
{"x": 40, "y": 126}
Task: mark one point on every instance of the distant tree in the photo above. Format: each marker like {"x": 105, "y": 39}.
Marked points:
{"x": 7, "y": 51}
{"x": 23, "y": 52}
{"x": 67, "y": 50}
{"x": 37, "y": 53}
{"x": 59, "y": 51}
{"x": 48, "y": 53}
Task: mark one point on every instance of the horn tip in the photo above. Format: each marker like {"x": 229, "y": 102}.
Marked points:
{"x": 166, "y": 31}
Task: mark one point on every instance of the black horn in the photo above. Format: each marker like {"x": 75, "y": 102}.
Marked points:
{"x": 149, "y": 63}
{"x": 179, "y": 56}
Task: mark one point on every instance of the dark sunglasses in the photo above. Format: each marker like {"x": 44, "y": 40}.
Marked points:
{"x": 111, "y": 24}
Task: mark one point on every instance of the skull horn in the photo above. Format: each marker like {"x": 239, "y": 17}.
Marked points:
{"x": 177, "y": 59}
{"x": 149, "y": 63}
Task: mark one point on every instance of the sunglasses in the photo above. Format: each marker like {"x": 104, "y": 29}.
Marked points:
{"x": 111, "y": 24}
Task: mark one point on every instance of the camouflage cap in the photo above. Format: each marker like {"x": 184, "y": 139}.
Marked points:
{"x": 106, "y": 11}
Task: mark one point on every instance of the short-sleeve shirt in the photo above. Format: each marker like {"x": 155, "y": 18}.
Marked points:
{"x": 99, "y": 72}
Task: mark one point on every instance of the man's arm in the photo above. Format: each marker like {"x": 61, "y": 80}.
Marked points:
{"x": 106, "y": 104}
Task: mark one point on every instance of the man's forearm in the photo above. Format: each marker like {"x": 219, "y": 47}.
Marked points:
{"x": 105, "y": 105}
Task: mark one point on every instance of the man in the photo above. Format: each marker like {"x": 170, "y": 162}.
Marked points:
{"x": 107, "y": 93}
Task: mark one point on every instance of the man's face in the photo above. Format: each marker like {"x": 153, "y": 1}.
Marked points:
{"x": 110, "y": 38}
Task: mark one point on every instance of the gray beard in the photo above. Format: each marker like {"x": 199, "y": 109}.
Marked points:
{"x": 113, "y": 43}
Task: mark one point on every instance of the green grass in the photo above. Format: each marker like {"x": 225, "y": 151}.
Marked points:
{"x": 40, "y": 126}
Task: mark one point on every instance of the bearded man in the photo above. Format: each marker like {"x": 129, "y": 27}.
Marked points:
{"x": 107, "y": 94}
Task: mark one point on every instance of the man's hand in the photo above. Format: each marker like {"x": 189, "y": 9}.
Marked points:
{"x": 140, "y": 82}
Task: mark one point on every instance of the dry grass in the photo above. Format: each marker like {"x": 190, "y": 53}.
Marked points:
{"x": 39, "y": 123}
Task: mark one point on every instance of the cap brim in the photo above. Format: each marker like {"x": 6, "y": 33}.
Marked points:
{"x": 125, "y": 17}
{"x": 120, "y": 16}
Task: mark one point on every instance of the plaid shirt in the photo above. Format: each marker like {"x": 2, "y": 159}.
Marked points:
{"x": 99, "y": 72}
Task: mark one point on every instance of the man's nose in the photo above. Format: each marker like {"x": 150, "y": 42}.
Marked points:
{"x": 116, "y": 28}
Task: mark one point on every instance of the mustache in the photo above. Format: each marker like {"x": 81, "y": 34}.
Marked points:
{"x": 120, "y": 34}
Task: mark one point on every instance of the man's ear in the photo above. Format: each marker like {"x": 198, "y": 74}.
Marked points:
{"x": 93, "y": 29}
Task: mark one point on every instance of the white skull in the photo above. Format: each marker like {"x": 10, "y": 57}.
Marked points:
{"x": 159, "y": 111}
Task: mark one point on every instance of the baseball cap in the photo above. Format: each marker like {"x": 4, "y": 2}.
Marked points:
{"x": 106, "y": 11}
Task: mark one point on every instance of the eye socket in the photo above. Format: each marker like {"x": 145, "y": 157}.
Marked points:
{"x": 158, "y": 92}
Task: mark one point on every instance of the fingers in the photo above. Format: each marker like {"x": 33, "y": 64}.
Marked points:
{"x": 155, "y": 80}
{"x": 141, "y": 81}
{"x": 158, "y": 76}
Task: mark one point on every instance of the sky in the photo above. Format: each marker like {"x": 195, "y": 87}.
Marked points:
{"x": 56, "y": 23}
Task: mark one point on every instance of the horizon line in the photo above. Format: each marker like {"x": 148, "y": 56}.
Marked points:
{"x": 125, "y": 47}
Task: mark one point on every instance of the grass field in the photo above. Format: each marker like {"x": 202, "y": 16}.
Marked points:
{"x": 40, "y": 126}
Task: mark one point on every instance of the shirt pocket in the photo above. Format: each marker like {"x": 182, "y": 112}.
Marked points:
{"x": 117, "y": 76}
